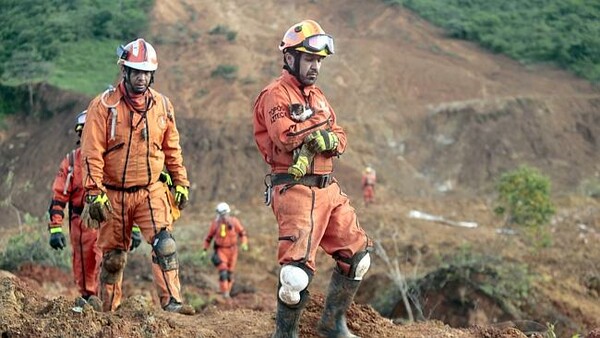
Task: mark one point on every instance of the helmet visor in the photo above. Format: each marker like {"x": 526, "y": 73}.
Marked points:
{"x": 319, "y": 42}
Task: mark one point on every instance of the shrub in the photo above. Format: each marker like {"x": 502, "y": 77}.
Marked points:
{"x": 228, "y": 72}
{"x": 524, "y": 199}
{"x": 32, "y": 247}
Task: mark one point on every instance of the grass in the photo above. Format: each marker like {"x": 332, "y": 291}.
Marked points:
{"x": 86, "y": 67}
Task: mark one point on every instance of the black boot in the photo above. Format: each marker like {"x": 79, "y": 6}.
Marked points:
{"x": 339, "y": 297}
{"x": 287, "y": 320}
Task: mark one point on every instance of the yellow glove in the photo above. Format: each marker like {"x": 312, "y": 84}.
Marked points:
{"x": 203, "y": 255}
{"x": 321, "y": 140}
{"x": 165, "y": 178}
{"x": 244, "y": 246}
{"x": 97, "y": 209}
{"x": 181, "y": 196}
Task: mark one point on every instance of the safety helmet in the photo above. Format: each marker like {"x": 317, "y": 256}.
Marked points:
{"x": 308, "y": 37}
{"x": 80, "y": 121}
{"x": 222, "y": 208}
{"x": 139, "y": 55}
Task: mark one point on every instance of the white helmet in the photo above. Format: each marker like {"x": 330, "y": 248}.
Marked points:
{"x": 222, "y": 208}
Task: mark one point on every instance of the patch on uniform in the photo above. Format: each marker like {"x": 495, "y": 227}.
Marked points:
{"x": 277, "y": 112}
{"x": 162, "y": 121}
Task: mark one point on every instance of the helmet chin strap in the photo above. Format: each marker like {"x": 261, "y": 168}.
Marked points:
{"x": 296, "y": 67}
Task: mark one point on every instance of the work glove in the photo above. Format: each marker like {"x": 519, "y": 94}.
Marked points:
{"x": 165, "y": 178}
{"x": 136, "y": 238}
{"x": 244, "y": 246}
{"x": 321, "y": 140}
{"x": 57, "y": 239}
{"x": 203, "y": 255}
{"x": 303, "y": 159}
{"x": 181, "y": 196}
{"x": 97, "y": 209}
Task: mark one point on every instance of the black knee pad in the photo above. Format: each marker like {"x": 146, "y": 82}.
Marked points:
{"x": 165, "y": 251}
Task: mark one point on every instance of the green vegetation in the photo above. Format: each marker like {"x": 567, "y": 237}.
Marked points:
{"x": 563, "y": 32}
{"x": 31, "y": 247}
{"x": 228, "y": 72}
{"x": 524, "y": 198}
{"x": 68, "y": 43}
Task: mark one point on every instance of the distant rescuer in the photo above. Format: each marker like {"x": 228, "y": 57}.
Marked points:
{"x": 311, "y": 211}
{"x": 368, "y": 180}
{"x": 129, "y": 137}
{"x": 67, "y": 189}
{"x": 225, "y": 230}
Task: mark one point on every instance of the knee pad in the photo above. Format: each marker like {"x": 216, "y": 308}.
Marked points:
{"x": 359, "y": 265}
{"x": 224, "y": 275}
{"x": 165, "y": 251}
{"x": 113, "y": 264}
{"x": 293, "y": 281}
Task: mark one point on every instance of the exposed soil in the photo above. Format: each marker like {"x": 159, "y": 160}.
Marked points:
{"x": 439, "y": 119}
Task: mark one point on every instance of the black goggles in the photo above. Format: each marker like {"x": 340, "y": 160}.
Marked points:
{"x": 318, "y": 43}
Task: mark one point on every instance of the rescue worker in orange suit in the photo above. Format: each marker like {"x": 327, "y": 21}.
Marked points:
{"x": 368, "y": 185}
{"x": 130, "y": 136}
{"x": 67, "y": 190}
{"x": 225, "y": 231}
{"x": 311, "y": 211}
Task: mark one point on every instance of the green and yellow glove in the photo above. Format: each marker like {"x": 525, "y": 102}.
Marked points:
{"x": 321, "y": 140}
{"x": 165, "y": 178}
{"x": 57, "y": 239}
{"x": 97, "y": 209}
{"x": 136, "y": 237}
{"x": 181, "y": 196}
{"x": 244, "y": 246}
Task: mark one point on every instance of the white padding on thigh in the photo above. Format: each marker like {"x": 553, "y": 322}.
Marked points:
{"x": 293, "y": 280}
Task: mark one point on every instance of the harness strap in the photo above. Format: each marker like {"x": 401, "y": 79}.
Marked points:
{"x": 319, "y": 181}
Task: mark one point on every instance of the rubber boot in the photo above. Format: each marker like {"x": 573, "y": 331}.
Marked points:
{"x": 287, "y": 321}
{"x": 339, "y": 297}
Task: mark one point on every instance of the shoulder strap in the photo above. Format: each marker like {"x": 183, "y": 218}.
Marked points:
{"x": 70, "y": 169}
{"x": 165, "y": 101}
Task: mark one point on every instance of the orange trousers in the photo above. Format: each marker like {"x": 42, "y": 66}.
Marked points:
{"x": 368, "y": 194}
{"x": 86, "y": 256}
{"x": 228, "y": 257}
{"x": 309, "y": 218}
{"x": 151, "y": 211}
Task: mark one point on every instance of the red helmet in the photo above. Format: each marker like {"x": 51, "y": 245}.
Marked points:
{"x": 139, "y": 55}
{"x": 307, "y": 36}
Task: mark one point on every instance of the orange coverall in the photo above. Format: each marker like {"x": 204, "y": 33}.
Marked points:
{"x": 225, "y": 230}
{"x": 123, "y": 153}
{"x": 368, "y": 186}
{"x": 86, "y": 257}
{"x": 308, "y": 217}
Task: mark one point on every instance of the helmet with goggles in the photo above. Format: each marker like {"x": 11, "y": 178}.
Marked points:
{"x": 308, "y": 37}
{"x": 139, "y": 55}
{"x": 80, "y": 121}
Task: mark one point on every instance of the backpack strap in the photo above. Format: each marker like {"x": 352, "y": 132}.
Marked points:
{"x": 70, "y": 169}
{"x": 165, "y": 102}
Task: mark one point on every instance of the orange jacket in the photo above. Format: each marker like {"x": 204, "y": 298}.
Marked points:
{"x": 138, "y": 149}
{"x": 67, "y": 188}
{"x": 277, "y": 135}
{"x": 225, "y": 231}
{"x": 369, "y": 179}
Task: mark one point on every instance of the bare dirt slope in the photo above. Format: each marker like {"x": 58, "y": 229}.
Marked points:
{"x": 439, "y": 119}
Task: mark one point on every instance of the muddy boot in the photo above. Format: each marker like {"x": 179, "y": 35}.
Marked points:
{"x": 95, "y": 303}
{"x": 339, "y": 297}
{"x": 287, "y": 321}
{"x": 177, "y": 307}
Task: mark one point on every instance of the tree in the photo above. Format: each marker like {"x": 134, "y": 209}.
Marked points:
{"x": 26, "y": 66}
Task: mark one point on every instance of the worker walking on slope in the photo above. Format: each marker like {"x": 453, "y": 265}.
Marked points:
{"x": 130, "y": 136}
{"x": 225, "y": 230}
{"x": 369, "y": 178}
{"x": 311, "y": 209}
{"x": 67, "y": 190}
